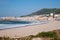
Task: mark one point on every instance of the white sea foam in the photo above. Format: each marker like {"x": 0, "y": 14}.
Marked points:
{"x": 3, "y": 26}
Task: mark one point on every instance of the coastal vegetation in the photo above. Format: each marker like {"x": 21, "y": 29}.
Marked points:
{"x": 51, "y": 34}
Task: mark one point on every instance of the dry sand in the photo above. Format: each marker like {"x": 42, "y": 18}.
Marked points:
{"x": 30, "y": 30}
{"x": 37, "y": 38}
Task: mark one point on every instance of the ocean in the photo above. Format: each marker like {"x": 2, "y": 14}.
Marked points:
{"x": 4, "y": 24}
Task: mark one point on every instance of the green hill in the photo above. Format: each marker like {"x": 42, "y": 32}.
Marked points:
{"x": 46, "y": 11}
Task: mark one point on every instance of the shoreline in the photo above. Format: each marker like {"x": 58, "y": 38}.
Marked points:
{"x": 30, "y": 30}
{"x": 24, "y": 25}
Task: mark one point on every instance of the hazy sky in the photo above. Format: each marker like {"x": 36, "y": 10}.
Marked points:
{"x": 24, "y": 7}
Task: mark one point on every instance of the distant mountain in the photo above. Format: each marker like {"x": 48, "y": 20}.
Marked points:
{"x": 46, "y": 11}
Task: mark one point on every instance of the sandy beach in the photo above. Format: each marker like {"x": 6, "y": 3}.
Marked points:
{"x": 30, "y": 30}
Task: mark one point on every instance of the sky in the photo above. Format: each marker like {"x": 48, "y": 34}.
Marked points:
{"x": 25, "y": 7}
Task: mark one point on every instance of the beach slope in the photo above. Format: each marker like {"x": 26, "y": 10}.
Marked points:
{"x": 30, "y": 30}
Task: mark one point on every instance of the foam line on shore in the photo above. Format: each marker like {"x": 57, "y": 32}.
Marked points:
{"x": 9, "y": 26}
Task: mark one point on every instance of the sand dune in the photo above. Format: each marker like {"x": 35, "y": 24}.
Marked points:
{"x": 30, "y": 30}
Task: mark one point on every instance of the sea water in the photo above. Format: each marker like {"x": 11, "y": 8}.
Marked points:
{"x": 11, "y": 24}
